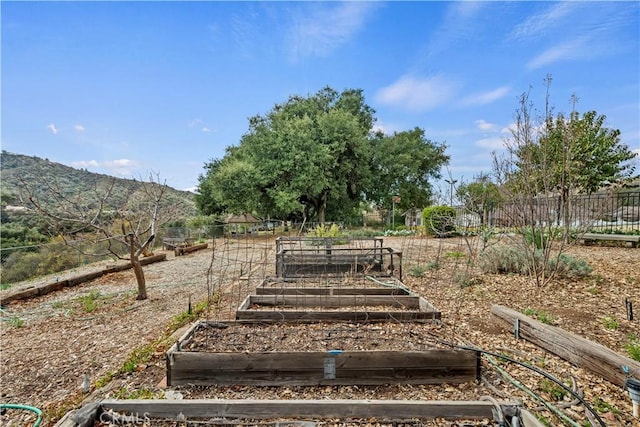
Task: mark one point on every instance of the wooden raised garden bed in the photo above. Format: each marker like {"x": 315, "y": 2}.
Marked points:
{"x": 336, "y": 308}
{"x": 332, "y": 286}
{"x": 232, "y": 353}
{"x": 316, "y": 256}
{"x": 295, "y": 413}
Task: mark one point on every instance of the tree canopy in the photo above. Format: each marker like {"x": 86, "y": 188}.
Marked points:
{"x": 316, "y": 157}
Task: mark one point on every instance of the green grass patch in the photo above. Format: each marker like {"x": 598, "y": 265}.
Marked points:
{"x": 610, "y": 322}
{"x": 455, "y": 254}
{"x": 604, "y": 407}
{"x": 540, "y": 315}
{"x": 633, "y": 347}
{"x": 555, "y": 391}
{"x": 141, "y": 393}
{"x": 89, "y": 302}
{"x": 15, "y": 322}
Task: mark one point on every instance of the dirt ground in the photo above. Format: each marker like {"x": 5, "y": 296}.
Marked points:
{"x": 100, "y": 335}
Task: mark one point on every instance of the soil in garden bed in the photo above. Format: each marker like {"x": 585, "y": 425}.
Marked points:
{"x": 224, "y": 337}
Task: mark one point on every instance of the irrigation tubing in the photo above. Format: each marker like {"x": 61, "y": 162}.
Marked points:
{"x": 530, "y": 392}
{"x": 33, "y": 409}
{"x": 538, "y": 371}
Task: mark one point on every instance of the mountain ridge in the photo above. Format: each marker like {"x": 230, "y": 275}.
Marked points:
{"x": 16, "y": 170}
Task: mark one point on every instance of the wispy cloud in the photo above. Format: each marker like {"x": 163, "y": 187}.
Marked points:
{"x": 484, "y": 125}
{"x": 459, "y": 24}
{"x": 52, "y": 127}
{"x": 578, "y": 48}
{"x": 485, "y": 97}
{"x": 120, "y": 167}
{"x": 199, "y": 124}
{"x": 320, "y": 28}
{"x": 539, "y": 24}
{"x": 85, "y": 164}
{"x": 79, "y": 128}
{"x": 417, "y": 94}
{"x": 572, "y": 31}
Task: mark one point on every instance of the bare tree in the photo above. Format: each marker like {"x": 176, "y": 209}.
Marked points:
{"x": 544, "y": 175}
{"x": 114, "y": 220}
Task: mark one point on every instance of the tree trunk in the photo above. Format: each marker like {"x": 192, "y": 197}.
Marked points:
{"x": 321, "y": 206}
{"x": 321, "y": 213}
{"x": 137, "y": 267}
{"x": 142, "y": 283}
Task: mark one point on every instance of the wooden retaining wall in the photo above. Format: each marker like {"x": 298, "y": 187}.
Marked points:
{"x": 587, "y": 354}
{"x": 35, "y": 291}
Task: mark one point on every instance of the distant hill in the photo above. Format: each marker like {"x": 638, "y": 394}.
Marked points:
{"x": 16, "y": 170}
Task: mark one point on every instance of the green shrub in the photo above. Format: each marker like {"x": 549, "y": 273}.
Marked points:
{"x": 399, "y": 232}
{"x": 512, "y": 259}
{"x": 439, "y": 220}
{"x": 535, "y": 237}
{"x": 417, "y": 271}
{"x": 568, "y": 266}
{"x": 322, "y": 230}
{"x": 364, "y": 232}
{"x": 504, "y": 260}
{"x": 433, "y": 265}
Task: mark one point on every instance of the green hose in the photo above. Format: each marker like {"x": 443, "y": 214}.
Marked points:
{"x": 37, "y": 411}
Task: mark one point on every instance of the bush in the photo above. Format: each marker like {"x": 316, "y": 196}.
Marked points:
{"x": 504, "y": 260}
{"x": 439, "y": 220}
{"x": 510, "y": 259}
{"x": 323, "y": 231}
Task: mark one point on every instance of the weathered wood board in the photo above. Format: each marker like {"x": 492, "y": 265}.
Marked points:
{"x": 322, "y": 368}
{"x": 336, "y": 308}
{"x": 590, "y": 238}
{"x": 316, "y": 286}
{"x": 573, "y": 348}
{"x": 326, "y": 367}
{"x": 141, "y": 411}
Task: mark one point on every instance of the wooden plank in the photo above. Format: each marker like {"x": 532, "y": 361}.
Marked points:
{"x": 573, "y": 348}
{"x": 605, "y": 236}
{"x": 336, "y": 301}
{"x": 285, "y": 290}
{"x": 74, "y": 281}
{"x": 308, "y": 368}
{"x": 315, "y": 409}
{"x": 589, "y": 238}
{"x": 189, "y": 249}
{"x": 336, "y": 316}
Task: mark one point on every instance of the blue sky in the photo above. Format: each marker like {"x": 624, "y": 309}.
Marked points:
{"x": 129, "y": 88}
